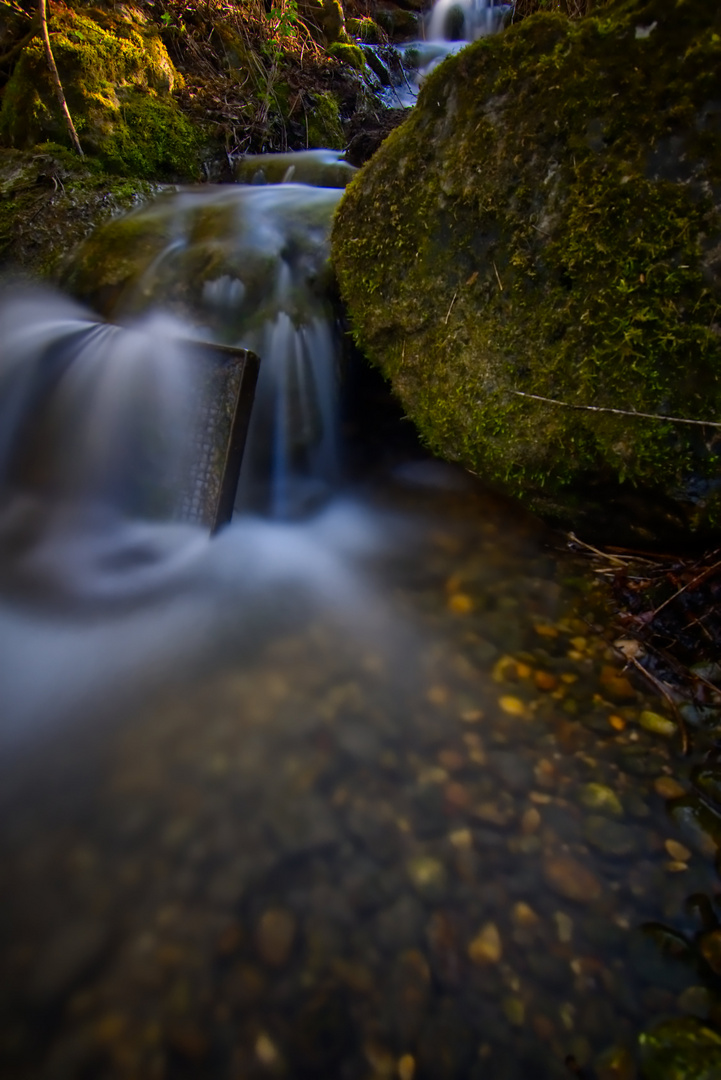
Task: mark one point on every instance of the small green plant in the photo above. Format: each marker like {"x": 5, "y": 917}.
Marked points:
{"x": 285, "y": 18}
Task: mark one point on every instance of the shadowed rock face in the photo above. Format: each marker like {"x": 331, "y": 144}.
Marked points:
{"x": 547, "y": 221}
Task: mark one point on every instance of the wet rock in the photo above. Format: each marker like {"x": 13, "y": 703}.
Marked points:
{"x": 275, "y": 935}
{"x": 708, "y": 782}
{"x": 681, "y": 1049}
{"x": 610, "y": 837}
{"x": 323, "y": 1034}
{"x": 657, "y": 724}
{"x": 66, "y": 960}
{"x": 700, "y": 825}
{"x": 428, "y": 876}
{"x": 710, "y": 948}
{"x": 570, "y": 879}
{"x": 661, "y": 957}
{"x": 400, "y": 925}
{"x": 515, "y": 773}
{"x": 486, "y": 947}
{"x": 409, "y": 995}
{"x": 668, "y": 788}
{"x": 446, "y": 1046}
{"x": 616, "y": 1063}
{"x": 677, "y": 851}
{"x": 695, "y": 1001}
{"x": 602, "y": 799}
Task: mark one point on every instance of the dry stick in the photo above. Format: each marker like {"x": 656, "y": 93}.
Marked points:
{"x": 589, "y": 547}
{"x": 689, "y": 584}
{"x": 618, "y": 412}
{"x": 43, "y": 15}
{"x": 448, "y": 314}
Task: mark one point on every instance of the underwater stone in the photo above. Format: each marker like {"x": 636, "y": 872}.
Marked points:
{"x": 681, "y": 1049}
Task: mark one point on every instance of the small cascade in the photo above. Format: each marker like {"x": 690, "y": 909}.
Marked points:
{"x": 93, "y": 447}
{"x": 465, "y": 20}
{"x": 450, "y": 25}
{"x": 247, "y": 264}
{"x": 99, "y": 421}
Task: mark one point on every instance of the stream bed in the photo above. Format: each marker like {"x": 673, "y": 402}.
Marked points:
{"x": 365, "y": 793}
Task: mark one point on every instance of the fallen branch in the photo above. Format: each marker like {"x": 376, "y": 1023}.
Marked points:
{"x": 59, "y": 93}
{"x": 618, "y": 412}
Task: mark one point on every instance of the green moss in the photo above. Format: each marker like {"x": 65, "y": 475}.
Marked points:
{"x": 351, "y": 55}
{"x": 366, "y": 30}
{"x": 324, "y": 127}
{"x": 50, "y": 203}
{"x": 152, "y": 139}
{"x": 117, "y": 78}
{"x": 547, "y": 221}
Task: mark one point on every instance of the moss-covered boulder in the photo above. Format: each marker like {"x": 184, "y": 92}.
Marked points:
{"x": 547, "y": 222}
{"x": 118, "y": 80}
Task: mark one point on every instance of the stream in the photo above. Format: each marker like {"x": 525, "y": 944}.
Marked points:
{"x": 358, "y": 788}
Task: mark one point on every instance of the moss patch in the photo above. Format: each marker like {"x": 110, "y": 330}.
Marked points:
{"x": 117, "y": 78}
{"x": 49, "y": 203}
{"x": 547, "y": 221}
{"x": 352, "y": 55}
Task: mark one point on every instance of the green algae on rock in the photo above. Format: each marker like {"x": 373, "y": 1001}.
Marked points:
{"x": 118, "y": 79}
{"x": 547, "y": 222}
{"x": 680, "y": 1049}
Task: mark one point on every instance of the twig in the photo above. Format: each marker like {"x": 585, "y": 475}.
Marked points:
{"x": 43, "y": 16}
{"x": 618, "y": 412}
{"x": 498, "y": 278}
{"x": 689, "y": 584}
{"x": 589, "y": 547}
{"x": 448, "y": 314}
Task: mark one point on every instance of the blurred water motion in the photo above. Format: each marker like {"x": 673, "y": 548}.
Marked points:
{"x": 362, "y": 795}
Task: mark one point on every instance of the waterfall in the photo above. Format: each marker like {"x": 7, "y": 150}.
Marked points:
{"x": 465, "y": 20}
{"x": 95, "y": 417}
{"x": 450, "y": 25}
{"x": 247, "y": 265}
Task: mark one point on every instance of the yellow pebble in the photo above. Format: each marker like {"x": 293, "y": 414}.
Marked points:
{"x": 486, "y": 947}
{"x": 460, "y": 603}
{"x": 545, "y": 630}
{"x": 523, "y": 670}
{"x": 512, "y": 705}
{"x": 675, "y": 867}
{"x": 523, "y": 915}
{"x": 574, "y": 654}
{"x": 668, "y": 788}
{"x": 617, "y": 722}
{"x": 677, "y": 851}
{"x": 504, "y": 667}
{"x": 579, "y": 643}
{"x": 406, "y": 1067}
{"x": 569, "y": 677}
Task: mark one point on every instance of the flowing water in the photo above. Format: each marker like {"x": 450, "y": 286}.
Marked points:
{"x": 358, "y": 793}
{"x": 448, "y": 27}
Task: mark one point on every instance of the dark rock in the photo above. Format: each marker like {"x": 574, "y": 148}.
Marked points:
{"x": 522, "y": 232}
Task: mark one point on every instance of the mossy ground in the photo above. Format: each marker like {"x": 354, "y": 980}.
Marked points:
{"x": 49, "y": 203}
{"x": 547, "y": 221}
{"x": 117, "y": 77}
